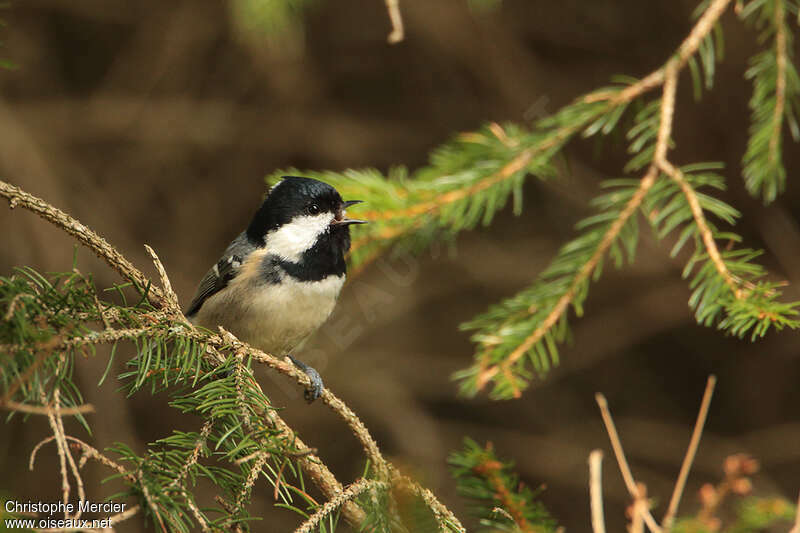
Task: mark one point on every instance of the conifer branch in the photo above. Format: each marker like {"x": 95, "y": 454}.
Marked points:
{"x": 530, "y": 325}
{"x": 493, "y": 485}
{"x": 152, "y": 330}
{"x": 780, "y": 81}
{"x": 702, "y": 225}
{"x": 776, "y": 88}
{"x": 349, "y": 494}
{"x": 563, "y": 303}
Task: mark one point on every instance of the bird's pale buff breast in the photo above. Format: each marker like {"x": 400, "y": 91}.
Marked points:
{"x": 272, "y": 317}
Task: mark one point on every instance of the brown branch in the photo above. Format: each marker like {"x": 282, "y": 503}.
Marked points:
{"x": 331, "y": 400}
{"x": 634, "y": 489}
{"x": 694, "y": 442}
{"x": 93, "y": 241}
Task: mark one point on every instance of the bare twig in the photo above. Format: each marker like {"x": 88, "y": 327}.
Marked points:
{"x": 169, "y": 294}
{"x": 639, "y": 508}
{"x": 627, "y": 475}
{"x": 398, "y": 33}
{"x": 90, "y": 452}
{"x": 44, "y": 410}
{"x": 73, "y": 467}
{"x": 201, "y": 519}
{"x": 596, "y": 491}
{"x": 61, "y": 445}
{"x": 672, "y": 509}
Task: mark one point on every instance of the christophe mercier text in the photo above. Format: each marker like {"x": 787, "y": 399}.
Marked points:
{"x": 65, "y": 509}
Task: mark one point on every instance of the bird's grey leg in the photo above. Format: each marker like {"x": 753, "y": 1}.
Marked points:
{"x": 314, "y": 391}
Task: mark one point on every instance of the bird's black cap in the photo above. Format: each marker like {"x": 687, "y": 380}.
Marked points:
{"x": 290, "y": 198}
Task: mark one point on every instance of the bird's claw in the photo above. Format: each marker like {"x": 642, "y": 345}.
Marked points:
{"x": 316, "y": 387}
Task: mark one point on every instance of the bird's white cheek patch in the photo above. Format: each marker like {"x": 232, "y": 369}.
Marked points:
{"x": 290, "y": 240}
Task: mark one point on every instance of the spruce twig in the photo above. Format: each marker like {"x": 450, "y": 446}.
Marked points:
{"x": 349, "y": 494}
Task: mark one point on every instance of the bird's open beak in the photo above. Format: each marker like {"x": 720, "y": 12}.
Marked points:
{"x": 338, "y": 221}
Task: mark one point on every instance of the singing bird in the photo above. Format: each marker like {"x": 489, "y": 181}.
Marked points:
{"x": 279, "y": 279}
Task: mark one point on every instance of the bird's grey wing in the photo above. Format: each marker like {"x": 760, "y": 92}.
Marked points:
{"x": 220, "y": 274}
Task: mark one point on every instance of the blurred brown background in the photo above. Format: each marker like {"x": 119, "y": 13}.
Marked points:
{"x": 154, "y": 122}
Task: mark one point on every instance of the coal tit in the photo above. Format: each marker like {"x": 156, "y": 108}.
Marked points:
{"x": 278, "y": 281}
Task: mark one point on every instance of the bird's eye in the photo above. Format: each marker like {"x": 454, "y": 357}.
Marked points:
{"x": 312, "y": 209}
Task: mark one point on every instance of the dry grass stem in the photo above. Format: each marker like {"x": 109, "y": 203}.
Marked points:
{"x": 596, "y": 491}
{"x": 627, "y": 475}
{"x": 694, "y": 442}
{"x": 398, "y": 32}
